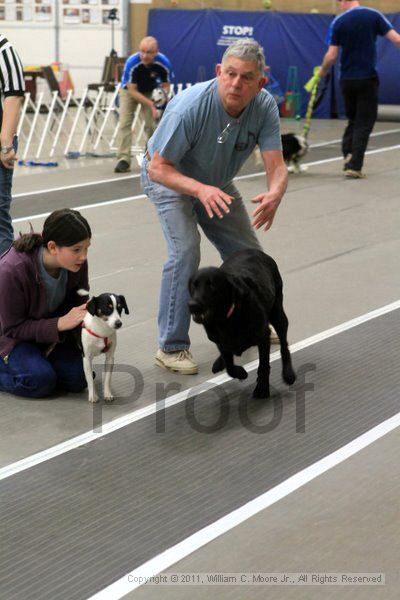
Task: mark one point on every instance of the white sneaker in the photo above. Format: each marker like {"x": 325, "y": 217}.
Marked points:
{"x": 352, "y": 174}
{"x": 179, "y": 362}
{"x": 273, "y": 336}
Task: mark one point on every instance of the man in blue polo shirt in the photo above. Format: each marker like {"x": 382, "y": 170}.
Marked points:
{"x": 204, "y": 137}
{"x": 143, "y": 72}
{"x": 355, "y": 32}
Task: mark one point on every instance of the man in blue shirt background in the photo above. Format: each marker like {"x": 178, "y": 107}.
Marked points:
{"x": 143, "y": 72}
{"x": 355, "y": 32}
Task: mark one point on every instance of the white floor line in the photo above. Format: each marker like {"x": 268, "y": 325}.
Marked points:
{"x": 116, "y": 179}
{"x": 139, "y": 414}
{"x": 339, "y": 140}
{"x": 166, "y": 559}
{"x": 84, "y": 207}
{"x": 129, "y": 198}
{"x": 75, "y": 185}
{"x": 325, "y": 161}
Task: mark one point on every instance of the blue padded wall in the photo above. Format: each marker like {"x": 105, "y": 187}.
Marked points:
{"x": 194, "y": 41}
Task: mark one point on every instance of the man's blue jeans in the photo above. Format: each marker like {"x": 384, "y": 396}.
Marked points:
{"x": 180, "y": 216}
{"x": 30, "y": 374}
{"x": 6, "y": 228}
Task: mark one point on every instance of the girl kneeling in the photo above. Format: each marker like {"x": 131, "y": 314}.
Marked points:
{"x": 39, "y": 279}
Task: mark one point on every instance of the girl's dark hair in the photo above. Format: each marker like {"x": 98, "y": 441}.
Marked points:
{"x": 65, "y": 227}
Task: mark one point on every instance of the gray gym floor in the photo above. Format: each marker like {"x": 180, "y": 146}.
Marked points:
{"x": 73, "y": 524}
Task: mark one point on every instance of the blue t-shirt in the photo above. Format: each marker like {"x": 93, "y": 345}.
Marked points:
{"x": 355, "y": 31}
{"x": 194, "y": 119}
{"x": 147, "y": 77}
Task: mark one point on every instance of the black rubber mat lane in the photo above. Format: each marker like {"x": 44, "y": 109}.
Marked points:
{"x": 76, "y": 523}
{"x": 37, "y": 204}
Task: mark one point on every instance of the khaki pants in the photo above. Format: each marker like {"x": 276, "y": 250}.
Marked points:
{"x": 127, "y": 107}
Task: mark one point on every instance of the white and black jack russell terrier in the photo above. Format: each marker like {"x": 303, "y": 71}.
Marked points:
{"x": 98, "y": 336}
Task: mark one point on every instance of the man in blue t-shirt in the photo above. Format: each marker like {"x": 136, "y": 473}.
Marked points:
{"x": 204, "y": 137}
{"x": 143, "y": 72}
{"x": 355, "y": 32}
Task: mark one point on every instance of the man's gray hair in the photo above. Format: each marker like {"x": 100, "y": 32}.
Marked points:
{"x": 247, "y": 50}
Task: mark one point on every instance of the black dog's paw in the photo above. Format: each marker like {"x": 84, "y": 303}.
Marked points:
{"x": 219, "y": 365}
{"x": 237, "y": 372}
{"x": 288, "y": 374}
{"x": 261, "y": 391}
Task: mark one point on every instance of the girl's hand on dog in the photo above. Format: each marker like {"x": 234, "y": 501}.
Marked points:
{"x": 265, "y": 213}
{"x": 214, "y": 200}
{"x": 72, "y": 319}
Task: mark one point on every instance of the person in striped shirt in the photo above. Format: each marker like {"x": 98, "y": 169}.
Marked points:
{"x": 12, "y": 89}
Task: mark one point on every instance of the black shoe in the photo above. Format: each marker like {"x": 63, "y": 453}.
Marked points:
{"x": 122, "y": 167}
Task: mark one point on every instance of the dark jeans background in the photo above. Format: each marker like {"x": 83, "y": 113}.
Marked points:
{"x": 361, "y": 104}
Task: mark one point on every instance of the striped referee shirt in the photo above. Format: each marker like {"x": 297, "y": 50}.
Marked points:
{"x": 11, "y": 72}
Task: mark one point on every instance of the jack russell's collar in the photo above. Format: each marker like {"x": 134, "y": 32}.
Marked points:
{"x": 106, "y": 346}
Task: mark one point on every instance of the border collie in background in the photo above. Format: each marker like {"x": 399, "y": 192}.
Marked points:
{"x": 294, "y": 148}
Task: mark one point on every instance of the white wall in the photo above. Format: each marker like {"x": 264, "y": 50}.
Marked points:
{"x": 82, "y": 47}
{"x": 83, "y": 52}
{"x": 34, "y": 43}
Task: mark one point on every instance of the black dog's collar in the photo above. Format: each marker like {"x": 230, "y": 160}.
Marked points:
{"x": 230, "y": 311}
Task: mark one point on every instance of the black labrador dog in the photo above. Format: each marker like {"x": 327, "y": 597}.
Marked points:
{"x": 236, "y": 303}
